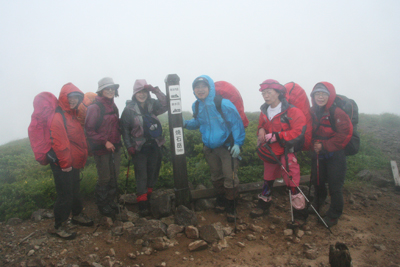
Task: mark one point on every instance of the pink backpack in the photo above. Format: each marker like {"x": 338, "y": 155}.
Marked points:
{"x": 44, "y": 108}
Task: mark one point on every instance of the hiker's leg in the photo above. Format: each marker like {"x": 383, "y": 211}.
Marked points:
{"x": 231, "y": 180}
{"x": 76, "y": 190}
{"x": 217, "y": 177}
{"x": 103, "y": 173}
{"x": 319, "y": 175}
{"x": 64, "y": 189}
{"x": 336, "y": 175}
{"x": 294, "y": 170}
{"x": 140, "y": 165}
{"x": 112, "y": 186}
{"x": 153, "y": 167}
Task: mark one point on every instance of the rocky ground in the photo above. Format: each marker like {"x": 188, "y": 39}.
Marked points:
{"x": 369, "y": 227}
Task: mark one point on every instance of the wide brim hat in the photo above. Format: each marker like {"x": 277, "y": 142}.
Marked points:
{"x": 106, "y": 82}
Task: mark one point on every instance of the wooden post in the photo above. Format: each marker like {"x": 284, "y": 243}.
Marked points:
{"x": 395, "y": 172}
{"x": 182, "y": 191}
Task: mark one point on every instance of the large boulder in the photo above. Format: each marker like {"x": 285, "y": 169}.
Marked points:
{"x": 185, "y": 216}
{"x": 162, "y": 203}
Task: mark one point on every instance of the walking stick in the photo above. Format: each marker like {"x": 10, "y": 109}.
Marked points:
{"x": 291, "y": 206}
{"x": 298, "y": 188}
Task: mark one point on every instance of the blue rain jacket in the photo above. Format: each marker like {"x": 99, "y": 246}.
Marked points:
{"x": 213, "y": 128}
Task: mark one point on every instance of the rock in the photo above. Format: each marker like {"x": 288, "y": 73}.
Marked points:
{"x": 162, "y": 203}
{"x": 185, "y": 217}
{"x": 240, "y": 244}
{"x": 379, "y": 247}
{"x": 374, "y": 177}
{"x": 145, "y": 229}
{"x": 251, "y": 237}
{"x": 159, "y": 244}
{"x": 277, "y": 219}
{"x": 191, "y": 232}
{"x": 223, "y": 243}
{"x": 300, "y": 233}
{"x": 128, "y": 199}
{"x": 198, "y": 245}
{"x": 216, "y": 247}
{"x": 255, "y": 228}
{"x": 147, "y": 250}
{"x": 311, "y": 254}
{"x": 203, "y": 204}
{"x": 227, "y": 230}
{"x": 132, "y": 255}
{"x": 132, "y": 216}
{"x": 288, "y": 232}
{"x": 14, "y": 221}
{"x": 107, "y": 222}
{"x": 211, "y": 233}
{"x": 168, "y": 220}
{"x": 173, "y": 230}
{"x": 373, "y": 197}
{"x": 112, "y": 252}
{"x": 31, "y": 252}
{"x": 128, "y": 225}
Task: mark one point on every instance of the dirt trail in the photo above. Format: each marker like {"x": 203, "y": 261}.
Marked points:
{"x": 369, "y": 226}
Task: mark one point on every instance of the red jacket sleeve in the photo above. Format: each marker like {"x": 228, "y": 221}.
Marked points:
{"x": 60, "y": 142}
{"x": 342, "y": 136}
{"x": 297, "y": 122}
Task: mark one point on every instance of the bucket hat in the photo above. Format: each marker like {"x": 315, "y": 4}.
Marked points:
{"x": 106, "y": 82}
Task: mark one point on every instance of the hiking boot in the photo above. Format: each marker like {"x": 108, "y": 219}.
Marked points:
{"x": 106, "y": 211}
{"x": 231, "y": 214}
{"x": 63, "y": 232}
{"x": 82, "y": 219}
{"x": 262, "y": 208}
{"x": 221, "y": 203}
{"x": 299, "y": 219}
{"x": 329, "y": 221}
{"x": 143, "y": 209}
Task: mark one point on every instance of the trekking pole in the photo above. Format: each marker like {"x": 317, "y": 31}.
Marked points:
{"x": 291, "y": 206}
{"x": 116, "y": 182}
{"x": 127, "y": 177}
{"x": 233, "y": 181}
{"x": 298, "y": 188}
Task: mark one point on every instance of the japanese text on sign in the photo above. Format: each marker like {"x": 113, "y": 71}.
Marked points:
{"x": 176, "y": 107}
{"x": 174, "y": 92}
{"x": 178, "y": 138}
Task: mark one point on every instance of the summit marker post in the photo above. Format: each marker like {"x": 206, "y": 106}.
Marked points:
{"x": 182, "y": 191}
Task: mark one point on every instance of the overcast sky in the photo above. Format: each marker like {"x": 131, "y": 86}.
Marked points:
{"x": 355, "y": 45}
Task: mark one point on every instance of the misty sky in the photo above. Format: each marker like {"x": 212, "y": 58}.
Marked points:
{"x": 355, "y": 45}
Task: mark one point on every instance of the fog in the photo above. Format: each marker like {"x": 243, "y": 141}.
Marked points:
{"x": 45, "y": 44}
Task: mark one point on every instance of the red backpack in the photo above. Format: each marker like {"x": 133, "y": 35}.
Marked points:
{"x": 296, "y": 96}
{"x": 45, "y": 105}
{"x": 228, "y": 91}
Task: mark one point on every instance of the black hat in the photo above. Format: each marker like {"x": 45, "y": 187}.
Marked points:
{"x": 199, "y": 80}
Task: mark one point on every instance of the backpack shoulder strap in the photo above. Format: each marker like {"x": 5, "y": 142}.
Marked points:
{"x": 59, "y": 110}
{"x": 332, "y": 117}
{"x": 196, "y": 109}
{"x": 102, "y": 112}
{"x": 218, "y": 104}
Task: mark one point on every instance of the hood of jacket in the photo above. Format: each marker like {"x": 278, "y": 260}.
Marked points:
{"x": 63, "y": 98}
{"x": 211, "y": 92}
{"x": 332, "y": 94}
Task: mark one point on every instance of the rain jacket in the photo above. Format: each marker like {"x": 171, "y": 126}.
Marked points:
{"x": 109, "y": 128}
{"x": 214, "y": 129}
{"x": 69, "y": 143}
{"x": 132, "y": 120}
{"x": 290, "y": 124}
{"x": 322, "y": 130}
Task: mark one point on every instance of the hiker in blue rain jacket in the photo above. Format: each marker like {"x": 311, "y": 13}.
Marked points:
{"x": 222, "y": 136}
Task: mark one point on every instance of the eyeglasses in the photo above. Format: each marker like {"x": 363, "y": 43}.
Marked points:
{"x": 109, "y": 89}
{"x": 321, "y": 94}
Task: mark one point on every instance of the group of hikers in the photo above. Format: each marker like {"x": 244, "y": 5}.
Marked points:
{"x": 282, "y": 128}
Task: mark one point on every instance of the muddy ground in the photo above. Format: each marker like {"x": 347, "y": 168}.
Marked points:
{"x": 369, "y": 227}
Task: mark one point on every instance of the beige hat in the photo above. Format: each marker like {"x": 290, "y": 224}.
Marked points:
{"x": 106, "y": 83}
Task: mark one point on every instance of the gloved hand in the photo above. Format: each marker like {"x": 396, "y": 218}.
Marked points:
{"x": 150, "y": 88}
{"x": 235, "y": 151}
{"x": 131, "y": 151}
{"x": 270, "y": 138}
